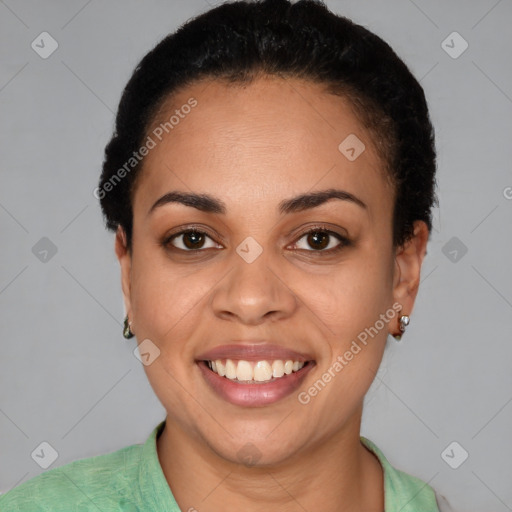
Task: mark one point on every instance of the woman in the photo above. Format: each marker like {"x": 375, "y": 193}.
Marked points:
{"x": 270, "y": 183}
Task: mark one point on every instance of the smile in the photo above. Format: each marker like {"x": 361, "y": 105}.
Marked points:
{"x": 254, "y": 383}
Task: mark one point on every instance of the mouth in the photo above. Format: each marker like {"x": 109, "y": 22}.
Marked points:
{"x": 254, "y": 375}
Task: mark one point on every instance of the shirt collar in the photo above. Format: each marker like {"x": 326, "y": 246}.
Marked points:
{"x": 155, "y": 494}
{"x": 401, "y": 491}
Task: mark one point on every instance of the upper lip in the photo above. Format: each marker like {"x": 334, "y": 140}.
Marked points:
{"x": 252, "y": 351}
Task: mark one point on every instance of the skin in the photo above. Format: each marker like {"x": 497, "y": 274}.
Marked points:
{"x": 252, "y": 147}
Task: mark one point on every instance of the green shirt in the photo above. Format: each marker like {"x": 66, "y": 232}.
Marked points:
{"x": 131, "y": 480}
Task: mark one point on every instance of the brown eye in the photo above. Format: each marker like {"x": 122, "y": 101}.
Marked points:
{"x": 322, "y": 240}
{"x": 191, "y": 240}
{"x": 318, "y": 239}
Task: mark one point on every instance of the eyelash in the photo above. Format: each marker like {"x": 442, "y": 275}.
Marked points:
{"x": 344, "y": 241}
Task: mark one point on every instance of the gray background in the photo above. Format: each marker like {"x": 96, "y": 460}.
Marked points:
{"x": 68, "y": 377}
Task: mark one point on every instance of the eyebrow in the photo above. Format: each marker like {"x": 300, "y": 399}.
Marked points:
{"x": 210, "y": 204}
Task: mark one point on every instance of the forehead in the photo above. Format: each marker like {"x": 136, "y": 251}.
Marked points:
{"x": 271, "y": 138}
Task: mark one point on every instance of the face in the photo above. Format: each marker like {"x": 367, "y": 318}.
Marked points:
{"x": 286, "y": 256}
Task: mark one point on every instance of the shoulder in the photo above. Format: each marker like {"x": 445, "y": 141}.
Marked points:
{"x": 403, "y": 491}
{"x": 94, "y": 483}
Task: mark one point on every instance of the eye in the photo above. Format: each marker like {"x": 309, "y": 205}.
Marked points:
{"x": 190, "y": 240}
{"x": 321, "y": 240}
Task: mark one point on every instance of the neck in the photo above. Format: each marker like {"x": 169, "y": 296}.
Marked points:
{"x": 338, "y": 474}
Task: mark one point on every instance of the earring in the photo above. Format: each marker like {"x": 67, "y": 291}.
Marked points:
{"x": 127, "y": 332}
{"x": 403, "y": 323}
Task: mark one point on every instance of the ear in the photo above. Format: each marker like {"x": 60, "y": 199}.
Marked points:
{"x": 406, "y": 277}
{"x": 125, "y": 261}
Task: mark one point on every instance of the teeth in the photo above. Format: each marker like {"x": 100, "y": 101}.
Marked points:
{"x": 244, "y": 371}
{"x": 260, "y": 371}
{"x": 230, "y": 369}
{"x": 221, "y": 370}
{"x": 278, "y": 368}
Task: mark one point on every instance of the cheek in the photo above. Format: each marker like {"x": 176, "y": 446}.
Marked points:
{"x": 169, "y": 303}
{"x": 357, "y": 311}
{"x": 159, "y": 299}
{"x": 352, "y": 296}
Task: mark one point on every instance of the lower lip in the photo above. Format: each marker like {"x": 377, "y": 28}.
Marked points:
{"x": 254, "y": 395}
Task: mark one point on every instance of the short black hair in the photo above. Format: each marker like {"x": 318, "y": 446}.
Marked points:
{"x": 240, "y": 40}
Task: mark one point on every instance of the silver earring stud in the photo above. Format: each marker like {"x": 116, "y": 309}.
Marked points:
{"x": 402, "y": 324}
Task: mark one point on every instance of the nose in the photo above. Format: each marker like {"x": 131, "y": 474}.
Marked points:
{"x": 253, "y": 292}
